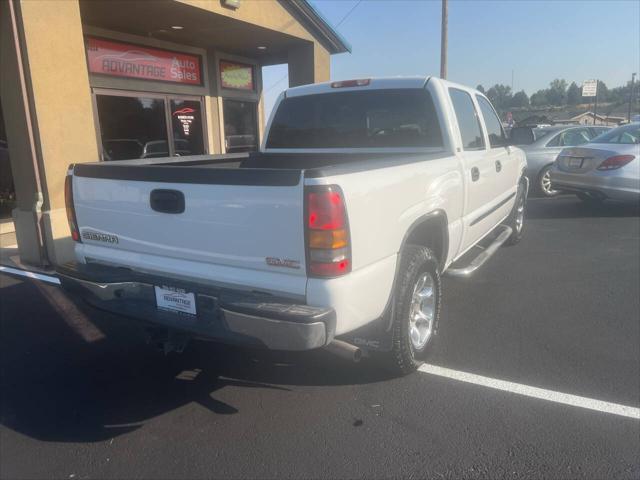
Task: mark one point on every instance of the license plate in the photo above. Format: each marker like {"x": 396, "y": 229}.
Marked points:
{"x": 175, "y": 300}
{"x": 575, "y": 162}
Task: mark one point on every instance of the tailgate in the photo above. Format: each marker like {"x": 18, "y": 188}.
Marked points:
{"x": 243, "y": 218}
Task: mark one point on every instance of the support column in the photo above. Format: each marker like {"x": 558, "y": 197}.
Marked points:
{"x": 20, "y": 142}
{"x": 308, "y": 63}
{"x": 61, "y": 112}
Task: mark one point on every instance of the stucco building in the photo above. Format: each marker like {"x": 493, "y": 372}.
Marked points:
{"x": 88, "y": 80}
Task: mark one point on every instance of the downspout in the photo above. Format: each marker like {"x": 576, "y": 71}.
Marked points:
{"x": 38, "y": 195}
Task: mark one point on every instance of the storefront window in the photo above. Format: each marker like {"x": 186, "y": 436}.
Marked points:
{"x": 240, "y": 126}
{"x": 136, "y": 126}
{"x": 132, "y": 127}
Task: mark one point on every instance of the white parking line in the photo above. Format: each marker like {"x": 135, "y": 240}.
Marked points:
{"x": 26, "y": 273}
{"x": 534, "y": 392}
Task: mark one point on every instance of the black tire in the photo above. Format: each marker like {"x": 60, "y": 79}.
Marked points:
{"x": 542, "y": 189}
{"x": 590, "y": 199}
{"x": 415, "y": 262}
{"x": 512, "y": 221}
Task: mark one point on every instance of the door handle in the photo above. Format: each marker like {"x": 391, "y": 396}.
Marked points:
{"x": 475, "y": 174}
{"x": 167, "y": 201}
{"x": 498, "y": 165}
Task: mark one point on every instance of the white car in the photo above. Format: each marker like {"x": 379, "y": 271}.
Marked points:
{"x": 334, "y": 235}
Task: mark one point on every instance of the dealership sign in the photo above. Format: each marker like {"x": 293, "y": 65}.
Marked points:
{"x": 589, "y": 88}
{"x": 236, "y": 75}
{"x": 119, "y": 59}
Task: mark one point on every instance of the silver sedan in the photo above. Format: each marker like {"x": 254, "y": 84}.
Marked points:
{"x": 606, "y": 168}
{"x": 542, "y": 146}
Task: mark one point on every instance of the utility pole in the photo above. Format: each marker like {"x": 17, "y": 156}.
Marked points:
{"x": 595, "y": 103}
{"x": 633, "y": 78}
{"x": 443, "y": 40}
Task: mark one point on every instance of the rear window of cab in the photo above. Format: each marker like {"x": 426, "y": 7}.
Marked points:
{"x": 357, "y": 119}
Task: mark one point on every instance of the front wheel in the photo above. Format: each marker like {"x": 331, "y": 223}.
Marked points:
{"x": 416, "y": 308}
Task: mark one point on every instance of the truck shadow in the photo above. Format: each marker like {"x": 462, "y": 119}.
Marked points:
{"x": 70, "y": 374}
{"x": 569, "y": 206}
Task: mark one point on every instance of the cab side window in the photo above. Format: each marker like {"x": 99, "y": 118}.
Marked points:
{"x": 468, "y": 121}
{"x": 495, "y": 132}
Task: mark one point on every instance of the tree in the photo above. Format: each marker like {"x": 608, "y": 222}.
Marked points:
{"x": 480, "y": 88}
{"x": 557, "y": 92}
{"x": 520, "y": 99}
{"x": 574, "y": 94}
{"x": 500, "y": 96}
{"x": 603, "y": 92}
{"x": 539, "y": 98}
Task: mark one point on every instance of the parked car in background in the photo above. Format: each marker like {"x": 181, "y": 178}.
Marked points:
{"x": 606, "y": 168}
{"x": 542, "y": 146}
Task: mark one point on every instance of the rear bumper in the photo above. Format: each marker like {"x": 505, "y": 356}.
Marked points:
{"x": 609, "y": 184}
{"x": 223, "y": 314}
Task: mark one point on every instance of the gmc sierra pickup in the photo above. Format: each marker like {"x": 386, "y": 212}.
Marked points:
{"x": 334, "y": 235}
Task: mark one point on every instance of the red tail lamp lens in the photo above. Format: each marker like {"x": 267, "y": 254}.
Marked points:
{"x": 326, "y": 211}
{"x": 71, "y": 213}
{"x": 615, "y": 162}
{"x": 334, "y": 269}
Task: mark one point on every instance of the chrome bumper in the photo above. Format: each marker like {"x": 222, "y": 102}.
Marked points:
{"x": 224, "y": 315}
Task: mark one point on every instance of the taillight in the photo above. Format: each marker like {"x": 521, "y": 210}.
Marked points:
{"x": 327, "y": 232}
{"x": 615, "y": 162}
{"x": 71, "y": 212}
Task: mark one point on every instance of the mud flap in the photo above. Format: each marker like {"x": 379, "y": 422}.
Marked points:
{"x": 376, "y": 336}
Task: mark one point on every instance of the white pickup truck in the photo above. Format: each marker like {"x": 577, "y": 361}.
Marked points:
{"x": 334, "y": 235}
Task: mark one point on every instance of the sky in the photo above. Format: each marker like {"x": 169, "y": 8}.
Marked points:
{"x": 537, "y": 40}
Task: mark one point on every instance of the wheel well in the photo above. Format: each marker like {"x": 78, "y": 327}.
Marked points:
{"x": 431, "y": 232}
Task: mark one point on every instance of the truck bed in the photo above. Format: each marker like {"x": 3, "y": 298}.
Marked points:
{"x": 239, "y": 169}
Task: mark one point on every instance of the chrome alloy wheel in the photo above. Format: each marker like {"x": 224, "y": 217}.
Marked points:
{"x": 545, "y": 184}
{"x": 520, "y": 213}
{"x": 422, "y": 312}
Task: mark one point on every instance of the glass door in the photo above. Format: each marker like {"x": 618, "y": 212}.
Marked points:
{"x": 186, "y": 125}
{"x": 148, "y": 125}
{"x": 240, "y": 125}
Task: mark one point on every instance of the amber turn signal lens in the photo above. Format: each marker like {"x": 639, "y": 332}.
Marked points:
{"x": 328, "y": 238}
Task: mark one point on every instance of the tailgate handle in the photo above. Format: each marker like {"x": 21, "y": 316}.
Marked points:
{"x": 167, "y": 201}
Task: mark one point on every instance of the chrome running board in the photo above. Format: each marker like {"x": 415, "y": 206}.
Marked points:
{"x": 483, "y": 256}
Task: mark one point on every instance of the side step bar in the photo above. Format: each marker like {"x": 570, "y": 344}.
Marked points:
{"x": 483, "y": 256}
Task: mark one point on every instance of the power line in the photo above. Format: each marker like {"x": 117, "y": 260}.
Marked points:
{"x": 349, "y": 13}
{"x": 272, "y": 86}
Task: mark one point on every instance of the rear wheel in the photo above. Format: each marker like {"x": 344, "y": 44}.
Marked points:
{"x": 416, "y": 309}
{"x": 544, "y": 183}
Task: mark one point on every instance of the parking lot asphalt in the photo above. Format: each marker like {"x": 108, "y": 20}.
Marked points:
{"x": 82, "y": 396}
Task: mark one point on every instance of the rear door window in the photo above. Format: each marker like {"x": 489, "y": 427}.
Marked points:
{"x": 468, "y": 121}
{"x": 365, "y": 119}
{"x": 495, "y": 131}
